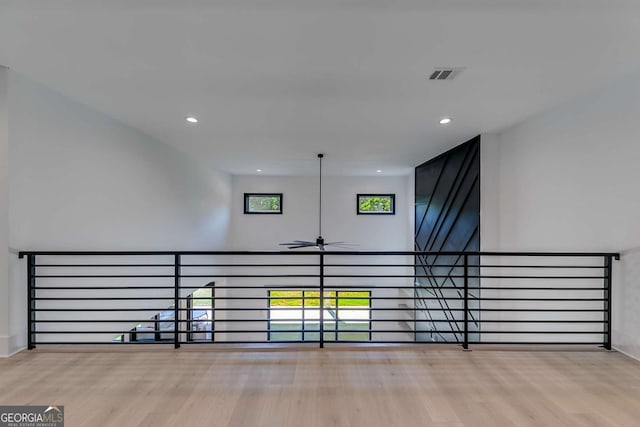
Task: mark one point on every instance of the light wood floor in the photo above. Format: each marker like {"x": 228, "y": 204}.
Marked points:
{"x": 414, "y": 386}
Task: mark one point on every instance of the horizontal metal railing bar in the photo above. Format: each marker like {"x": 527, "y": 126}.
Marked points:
{"x": 100, "y": 276}
{"x": 535, "y": 321}
{"x": 115, "y": 343}
{"x": 201, "y": 341}
{"x": 327, "y": 287}
{"x": 543, "y": 310}
{"x": 374, "y": 287}
{"x": 312, "y": 321}
{"x": 511, "y": 288}
{"x": 333, "y": 276}
{"x": 326, "y": 341}
{"x": 447, "y": 276}
{"x": 533, "y": 266}
{"x": 325, "y": 253}
{"x": 128, "y": 276}
{"x": 102, "y": 298}
{"x": 414, "y": 298}
{"x": 100, "y": 265}
{"x": 112, "y": 320}
{"x": 306, "y": 341}
{"x": 78, "y": 288}
{"x": 167, "y": 342}
{"x": 315, "y": 265}
{"x": 471, "y": 265}
{"x": 544, "y": 332}
{"x": 332, "y": 330}
{"x": 370, "y": 343}
{"x": 103, "y": 309}
{"x": 167, "y": 332}
{"x": 558, "y": 343}
{"x": 577, "y": 267}
{"x": 248, "y": 265}
{"x": 369, "y": 320}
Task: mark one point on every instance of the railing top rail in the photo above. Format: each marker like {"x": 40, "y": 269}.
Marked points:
{"x": 615, "y": 255}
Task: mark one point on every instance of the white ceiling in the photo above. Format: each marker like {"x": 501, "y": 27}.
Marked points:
{"x": 275, "y": 81}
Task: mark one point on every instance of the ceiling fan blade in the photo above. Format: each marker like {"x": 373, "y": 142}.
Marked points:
{"x": 304, "y": 242}
{"x": 347, "y": 246}
{"x": 301, "y": 246}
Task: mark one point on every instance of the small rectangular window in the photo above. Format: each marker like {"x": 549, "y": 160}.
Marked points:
{"x": 263, "y": 203}
{"x": 376, "y": 204}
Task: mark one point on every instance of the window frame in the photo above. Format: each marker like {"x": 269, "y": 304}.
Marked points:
{"x": 303, "y": 326}
{"x": 392, "y": 196}
{"x": 247, "y": 196}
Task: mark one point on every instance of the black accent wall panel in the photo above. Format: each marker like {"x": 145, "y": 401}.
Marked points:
{"x": 447, "y": 218}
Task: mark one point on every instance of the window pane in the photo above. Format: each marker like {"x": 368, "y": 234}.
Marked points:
{"x": 285, "y": 298}
{"x": 312, "y": 299}
{"x": 353, "y": 299}
{"x": 263, "y": 203}
{"x": 376, "y": 203}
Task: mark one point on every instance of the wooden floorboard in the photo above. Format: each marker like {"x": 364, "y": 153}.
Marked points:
{"x": 414, "y": 386}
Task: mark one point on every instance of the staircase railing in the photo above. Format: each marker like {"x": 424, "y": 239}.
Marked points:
{"x": 332, "y": 297}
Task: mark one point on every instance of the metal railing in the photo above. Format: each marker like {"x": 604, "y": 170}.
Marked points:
{"x": 240, "y": 297}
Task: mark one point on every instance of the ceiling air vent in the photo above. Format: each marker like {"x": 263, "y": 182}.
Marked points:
{"x": 446, "y": 73}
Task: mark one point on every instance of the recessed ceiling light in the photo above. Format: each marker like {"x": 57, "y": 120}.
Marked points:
{"x": 258, "y": 170}
{"x": 445, "y": 120}
{"x": 378, "y": 171}
{"x": 191, "y": 119}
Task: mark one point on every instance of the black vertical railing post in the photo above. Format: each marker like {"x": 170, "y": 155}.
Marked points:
{"x": 213, "y": 314}
{"x": 31, "y": 289}
{"x": 608, "y": 266}
{"x": 189, "y": 318}
{"x": 321, "y": 300}
{"x": 303, "y": 314}
{"x": 465, "y": 343}
{"x": 176, "y": 302}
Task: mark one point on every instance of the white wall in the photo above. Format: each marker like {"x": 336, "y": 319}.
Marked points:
{"x": 82, "y": 181}
{"x": 299, "y": 220}
{"x": 568, "y": 180}
{"x": 4, "y": 213}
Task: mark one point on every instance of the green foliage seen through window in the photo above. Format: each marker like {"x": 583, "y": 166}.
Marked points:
{"x": 375, "y": 204}
{"x": 263, "y": 203}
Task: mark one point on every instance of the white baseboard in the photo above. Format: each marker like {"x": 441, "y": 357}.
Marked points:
{"x": 9, "y": 347}
{"x": 627, "y": 354}
{"x": 17, "y": 351}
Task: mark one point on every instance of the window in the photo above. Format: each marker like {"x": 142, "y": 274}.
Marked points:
{"x": 376, "y": 204}
{"x": 295, "y": 315}
{"x": 263, "y": 203}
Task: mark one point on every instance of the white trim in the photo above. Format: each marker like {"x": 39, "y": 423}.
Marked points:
{"x": 16, "y": 351}
{"x": 627, "y": 354}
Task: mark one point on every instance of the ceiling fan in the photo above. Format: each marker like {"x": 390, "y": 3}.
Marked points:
{"x": 319, "y": 243}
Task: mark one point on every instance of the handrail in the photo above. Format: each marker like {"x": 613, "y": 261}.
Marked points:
{"x": 615, "y": 255}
